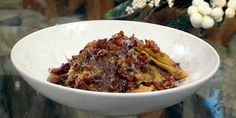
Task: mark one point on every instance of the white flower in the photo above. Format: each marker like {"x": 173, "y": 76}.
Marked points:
{"x": 151, "y": 4}
{"x": 196, "y": 20}
{"x": 157, "y": 3}
{"x": 138, "y": 4}
{"x": 218, "y": 3}
{"x": 219, "y": 20}
{"x": 204, "y": 8}
{"x": 192, "y": 10}
{"x": 197, "y": 2}
{"x": 170, "y": 3}
{"x": 207, "y": 22}
{"x": 232, "y": 4}
{"x": 229, "y": 12}
{"x": 217, "y": 13}
{"x": 129, "y": 10}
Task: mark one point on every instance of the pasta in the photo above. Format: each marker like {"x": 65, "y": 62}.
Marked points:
{"x": 119, "y": 64}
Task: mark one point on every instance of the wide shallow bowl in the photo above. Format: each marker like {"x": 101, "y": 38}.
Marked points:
{"x": 33, "y": 55}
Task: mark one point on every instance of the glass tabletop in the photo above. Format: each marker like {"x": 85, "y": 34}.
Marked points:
{"x": 18, "y": 100}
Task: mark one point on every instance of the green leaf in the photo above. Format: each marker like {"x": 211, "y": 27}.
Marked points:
{"x": 145, "y": 13}
{"x": 118, "y": 12}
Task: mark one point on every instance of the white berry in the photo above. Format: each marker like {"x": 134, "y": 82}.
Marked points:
{"x": 151, "y": 4}
{"x": 196, "y": 26}
{"x": 219, "y": 19}
{"x": 157, "y": 3}
{"x": 232, "y": 4}
{"x": 217, "y": 13}
{"x": 207, "y": 22}
{"x": 196, "y": 19}
{"x": 204, "y": 9}
{"x": 219, "y": 3}
{"x": 170, "y": 3}
{"x": 205, "y": 4}
{"x": 197, "y": 2}
{"x": 229, "y": 12}
{"x": 192, "y": 10}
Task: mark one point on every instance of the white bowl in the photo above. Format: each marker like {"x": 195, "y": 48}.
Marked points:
{"x": 33, "y": 55}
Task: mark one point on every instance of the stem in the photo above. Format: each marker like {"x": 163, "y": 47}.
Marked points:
{"x": 147, "y": 11}
{"x": 202, "y": 33}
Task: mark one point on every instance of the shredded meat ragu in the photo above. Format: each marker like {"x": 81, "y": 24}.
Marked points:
{"x": 118, "y": 64}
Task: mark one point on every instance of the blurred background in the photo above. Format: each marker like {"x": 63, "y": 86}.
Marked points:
{"x": 31, "y": 15}
{"x": 19, "y": 18}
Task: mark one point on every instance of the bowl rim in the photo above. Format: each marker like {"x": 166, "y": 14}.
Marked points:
{"x": 110, "y": 94}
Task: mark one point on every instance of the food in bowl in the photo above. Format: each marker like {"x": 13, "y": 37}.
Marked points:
{"x": 119, "y": 64}
{"x": 33, "y": 55}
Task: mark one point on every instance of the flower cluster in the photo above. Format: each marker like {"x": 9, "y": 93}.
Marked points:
{"x": 203, "y": 15}
{"x": 139, "y": 4}
{"x": 170, "y": 3}
{"x": 230, "y": 11}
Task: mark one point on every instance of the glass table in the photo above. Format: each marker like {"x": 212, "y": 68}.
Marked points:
{"x": 18, "y": 100}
